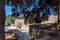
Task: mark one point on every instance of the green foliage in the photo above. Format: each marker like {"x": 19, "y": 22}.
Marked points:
{"x": 33, "y": 15}
{"x": 10, "y": 20}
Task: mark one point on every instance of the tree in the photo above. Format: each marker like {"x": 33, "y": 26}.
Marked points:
{"x": 59, "y": 11}
{"x": 22, "y": 6}
{"x": 10, "y": 20}
{"x": 2, "y": 20}
{"x": 58, "y": 26}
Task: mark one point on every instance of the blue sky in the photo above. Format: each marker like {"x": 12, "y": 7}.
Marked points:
{"x": 9, "y": 12}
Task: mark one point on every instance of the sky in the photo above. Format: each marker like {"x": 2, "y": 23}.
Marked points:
{"x": 8, "y": 9}
{"x": 9, "y": 12}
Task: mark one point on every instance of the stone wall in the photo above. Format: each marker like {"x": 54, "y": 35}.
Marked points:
{"x": 38, "y": 31}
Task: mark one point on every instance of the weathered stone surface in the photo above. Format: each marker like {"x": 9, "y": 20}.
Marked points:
{"x": 21, "y": 36}
{"x": 11, "y": 36}
{"x": 54, "y": 38}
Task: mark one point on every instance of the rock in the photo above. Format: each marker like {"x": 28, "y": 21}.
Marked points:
{"x": 54, "y": 38}
{"x": 11, "y": 36}
{"x": 21, "y": 35}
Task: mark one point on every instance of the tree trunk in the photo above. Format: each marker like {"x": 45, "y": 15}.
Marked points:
{"x": 58, "y": 26}
{"x": 59, "y": 10}
{"x": 2, "y": 20}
